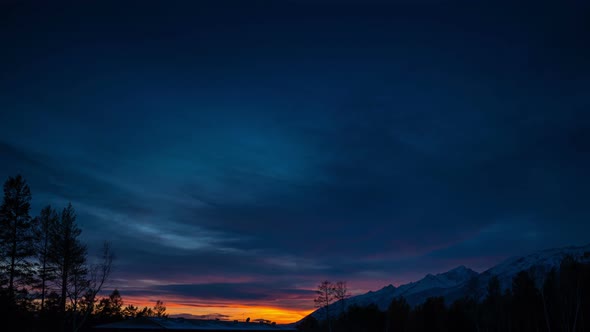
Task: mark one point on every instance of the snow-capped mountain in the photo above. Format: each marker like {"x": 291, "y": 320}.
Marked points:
{"x": 435, "y": 285}
{"x": 538, "y": 263}
{"x": 381, "y": 298}
{"x": 459, "y": 281}
{"x": 414, "y": 292}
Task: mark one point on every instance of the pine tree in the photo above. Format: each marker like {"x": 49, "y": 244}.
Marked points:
{"x": 47, "y": 221}
{"x": 68, "y": 256}
{"x": 16, "y": 237}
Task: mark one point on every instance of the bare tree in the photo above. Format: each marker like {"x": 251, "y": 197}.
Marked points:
{"x": 341, "y": 294}
{"x": 78, "y": 280}
{"x": 98, "y": 276}
{"x": 325, "y": 296}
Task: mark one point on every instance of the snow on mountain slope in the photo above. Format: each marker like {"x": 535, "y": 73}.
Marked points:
{"x": 414, "y": 292}
{"x": 382, "y": 298}
{"x": 450, "y": 279}
{"x": 546, "y": 258}
{"x": 460, "y": 281}
{"x": 538, "y": 263}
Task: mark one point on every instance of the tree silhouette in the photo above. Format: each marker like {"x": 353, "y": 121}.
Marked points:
{"x": 571, "y": 285}
{"x": 47, "y": 221}
{"x": 527, "y": 303}
{"x": 363, "y": 318}
{"x": 145, "y": 312}
{"x": 130, "y": 311}
{"x": 341, "y": 294}
{"x": 432, "y": 314}
{"x": 325, "y": 296}
{"x": 17, "y": 237}
{"x": 160, "y": 309}
{"x": 461, "y": 315}
{"x": 398, "y": 314}
{"x": 110, "y": 307}
{"x": 68, "y": 255}
{"x": 308, "y": 324}
{"x": 492, "y": 304}
{"x": 44, "y": 254}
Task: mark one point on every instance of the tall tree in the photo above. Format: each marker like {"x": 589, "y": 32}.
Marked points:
{"x": 325, "y": 296}
{"x": 47, "y": 221}
{"x": 68, "y": 256}
{"x": 16, "y": 236}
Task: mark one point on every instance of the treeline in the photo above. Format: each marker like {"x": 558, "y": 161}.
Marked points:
{"x": 111, "y": 309}
{"x": 558, "y": 300}
{"x": 47, "y": 282}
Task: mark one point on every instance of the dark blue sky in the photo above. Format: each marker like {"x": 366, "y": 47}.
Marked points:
{"x": 228, "y": 147}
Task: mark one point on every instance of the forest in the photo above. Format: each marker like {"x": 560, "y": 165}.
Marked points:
{"x": 48, "y": 281}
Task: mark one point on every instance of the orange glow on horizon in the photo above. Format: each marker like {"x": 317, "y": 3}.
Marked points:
{"x": 280, "y": 315}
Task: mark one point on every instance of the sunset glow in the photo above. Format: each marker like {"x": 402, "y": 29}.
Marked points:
{"x": 224, "y": 311}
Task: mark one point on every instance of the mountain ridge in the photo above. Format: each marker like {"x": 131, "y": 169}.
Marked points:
{"x": 457, "y": 282}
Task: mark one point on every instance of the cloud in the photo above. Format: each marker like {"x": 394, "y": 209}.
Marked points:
{"x": 212, "y": 316}
{"x": 239, "y": 292}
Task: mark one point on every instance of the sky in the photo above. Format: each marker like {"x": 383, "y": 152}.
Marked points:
{"x": 236, "y": 154}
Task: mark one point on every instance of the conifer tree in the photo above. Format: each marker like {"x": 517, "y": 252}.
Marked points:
{"x": 16, "y": 237}
{"x": 47, "y": 221}
{"x": 68, "y": 257}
